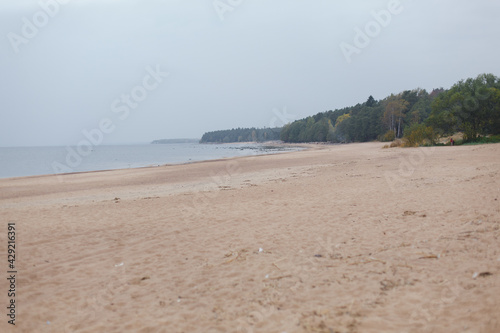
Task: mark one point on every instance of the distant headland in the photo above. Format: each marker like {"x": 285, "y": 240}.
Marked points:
{"x": 173, "y": 141}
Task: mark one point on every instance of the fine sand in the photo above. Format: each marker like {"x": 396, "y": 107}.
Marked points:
{"x": 349, "y": 238}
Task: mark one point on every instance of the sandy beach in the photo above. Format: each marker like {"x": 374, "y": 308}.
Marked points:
{"x": 346, "y": 238}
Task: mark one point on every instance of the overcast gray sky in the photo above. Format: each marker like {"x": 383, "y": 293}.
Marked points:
{"x": 66, "y": 66}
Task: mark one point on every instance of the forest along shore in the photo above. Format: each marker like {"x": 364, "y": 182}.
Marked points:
{"x": 350, "y": 238}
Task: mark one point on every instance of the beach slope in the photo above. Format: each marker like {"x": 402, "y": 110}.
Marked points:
{"x": 346, "y": 238}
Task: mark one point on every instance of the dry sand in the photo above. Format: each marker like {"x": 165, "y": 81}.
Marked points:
{"x": 350, "y": 238}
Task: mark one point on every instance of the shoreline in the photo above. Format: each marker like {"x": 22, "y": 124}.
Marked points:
{"x": 9, "y": 186}
{"x": 159, "y": 165}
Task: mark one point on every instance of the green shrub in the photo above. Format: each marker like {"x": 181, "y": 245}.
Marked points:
{"x": 388, "y": 136}
{"x": 419, "y": 135}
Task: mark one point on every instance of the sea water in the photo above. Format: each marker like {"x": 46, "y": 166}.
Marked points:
{"x": 33, "y": 161}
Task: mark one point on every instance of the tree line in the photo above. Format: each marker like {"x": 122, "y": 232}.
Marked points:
{"x": 242, "y": 135}
{"x": 382, "y": 120}
{"x": 471, "y": 106}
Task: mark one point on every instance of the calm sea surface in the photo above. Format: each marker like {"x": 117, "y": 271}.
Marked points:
{"x": 32, "y": 161}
